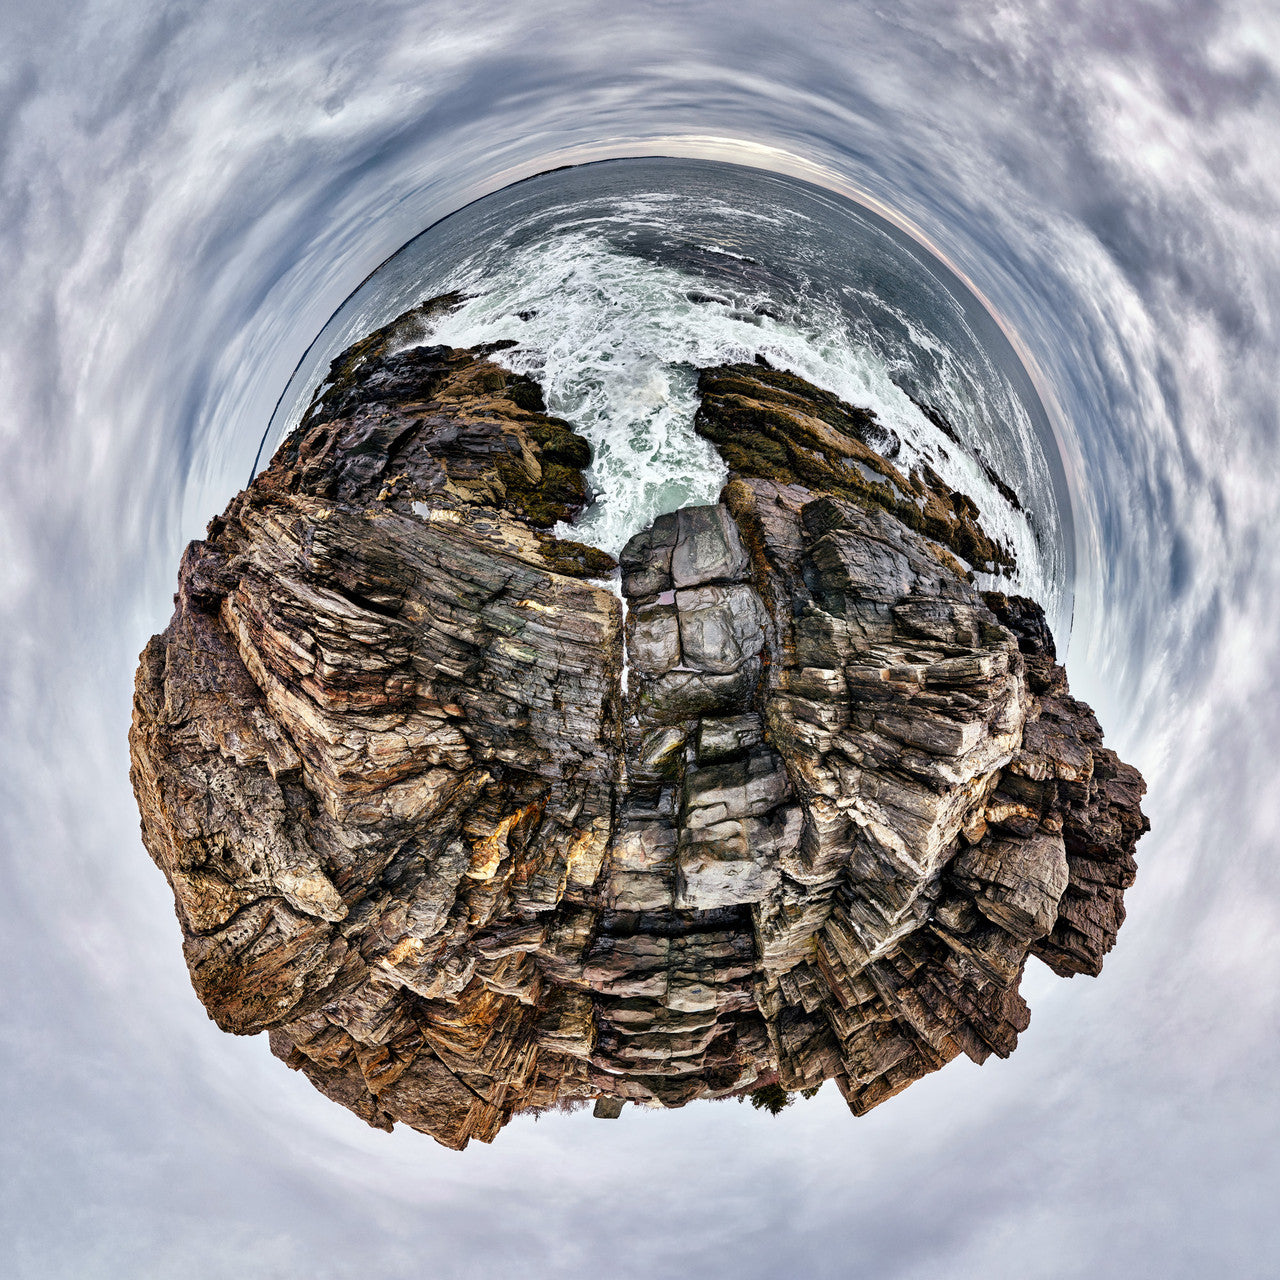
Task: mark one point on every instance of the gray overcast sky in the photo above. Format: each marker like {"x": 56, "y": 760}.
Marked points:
{"x": 186, "y": 194}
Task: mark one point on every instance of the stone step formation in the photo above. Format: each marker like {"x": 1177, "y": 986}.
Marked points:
{"x": 474, "y": 820}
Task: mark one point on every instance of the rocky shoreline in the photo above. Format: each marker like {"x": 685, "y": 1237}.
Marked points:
{"x": 469, "y": 830}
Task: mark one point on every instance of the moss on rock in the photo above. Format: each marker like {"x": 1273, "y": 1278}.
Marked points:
{"x": 773, "y": 425}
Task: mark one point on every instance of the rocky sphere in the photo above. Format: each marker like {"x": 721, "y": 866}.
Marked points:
{"x": 470, "y": 827}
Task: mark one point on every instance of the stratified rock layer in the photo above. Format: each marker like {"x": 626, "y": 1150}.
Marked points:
{"x": 469, "y": 832}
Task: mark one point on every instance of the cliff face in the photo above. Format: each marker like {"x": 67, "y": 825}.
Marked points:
{"x": 469, "y": 832}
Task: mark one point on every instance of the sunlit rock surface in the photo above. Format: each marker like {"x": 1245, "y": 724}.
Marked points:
{"x": 470, "y": 832}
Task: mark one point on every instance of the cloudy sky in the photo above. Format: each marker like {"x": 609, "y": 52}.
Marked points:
{"x": 188, "y": 191}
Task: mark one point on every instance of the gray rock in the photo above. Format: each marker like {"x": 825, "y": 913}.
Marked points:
{"x": 727, "y": 736}
{"x": 682, "y": 695}
{"x": 646, "y": 559}
{"x": 708, "y": 548}
{"x": 653, "y": 638}
{"x": 1017, "y": 884}
{"x": 720, "y": 627}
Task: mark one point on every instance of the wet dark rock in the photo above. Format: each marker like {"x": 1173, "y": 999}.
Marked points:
{"x": 696, "y": 295}
{"x": 940, "y": 420}
{"x": 773, "y": 425}
{"x": 468, "y": 834}
{"x": 707, "y": 548}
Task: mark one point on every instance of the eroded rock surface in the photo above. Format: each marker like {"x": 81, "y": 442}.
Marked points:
{"x": 469, "y": 831}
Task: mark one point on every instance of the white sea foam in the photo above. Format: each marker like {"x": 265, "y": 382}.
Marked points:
{"x": 615, "y": 341}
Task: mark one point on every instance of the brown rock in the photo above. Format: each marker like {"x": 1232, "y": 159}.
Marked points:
{"x": 421, "y": 829}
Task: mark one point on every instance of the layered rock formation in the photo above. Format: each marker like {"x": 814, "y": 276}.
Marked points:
{"x": 473, "y": 823}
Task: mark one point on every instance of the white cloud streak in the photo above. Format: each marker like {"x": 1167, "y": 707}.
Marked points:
{"x": 186, "y": 194}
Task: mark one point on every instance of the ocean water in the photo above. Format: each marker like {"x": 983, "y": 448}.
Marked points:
{"x": 619, "y": 280}
{"x": 1060, "y": 221}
